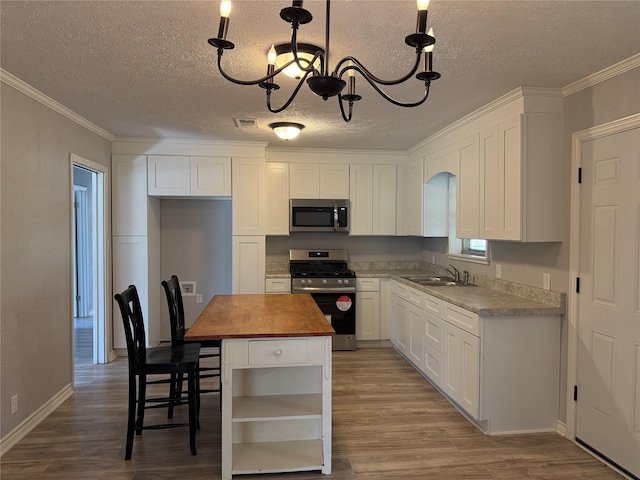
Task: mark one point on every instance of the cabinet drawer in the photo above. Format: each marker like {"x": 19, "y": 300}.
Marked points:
{"x": 278, "y": 285}
{"x": 275, "y": 352}
{"x": 415, "y": 297}
{"x": 432, "y": 364}
{"x": 400, "y": 290}
{"x": 464, "y": 319}
{"x": 433, "y": 331}
{"x": 367, "y": 284}
{"x": 431, "y": 304}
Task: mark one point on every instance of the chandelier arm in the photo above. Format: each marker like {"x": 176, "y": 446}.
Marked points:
{"x": 344, "y": 116}
{"x": 370, "y": 76}
{"x": 259, "y": 80}
{"x": 288, "y": 102}
{"x": 396, "y": 102}
{"x": 296, "y": 59}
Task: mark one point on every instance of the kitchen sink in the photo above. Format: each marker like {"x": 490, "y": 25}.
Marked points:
{"x": 434, "y": 281}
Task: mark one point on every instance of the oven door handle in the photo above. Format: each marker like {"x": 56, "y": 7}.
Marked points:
{"x": 323, "y": 290}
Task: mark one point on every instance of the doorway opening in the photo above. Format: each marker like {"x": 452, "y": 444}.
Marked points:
{"x": 90, "y": 324}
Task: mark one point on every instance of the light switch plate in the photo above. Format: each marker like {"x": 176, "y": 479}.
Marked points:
{"x": 498, "y": 271}
{"x": 546, "y": 281}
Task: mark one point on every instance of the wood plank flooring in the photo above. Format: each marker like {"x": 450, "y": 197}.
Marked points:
{"x": 388, "y": 423}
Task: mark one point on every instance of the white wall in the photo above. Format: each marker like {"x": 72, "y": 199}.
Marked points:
{"x": 36, "y": 360}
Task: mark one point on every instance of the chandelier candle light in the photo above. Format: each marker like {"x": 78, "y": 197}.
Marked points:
{"x": 310, "y": 63}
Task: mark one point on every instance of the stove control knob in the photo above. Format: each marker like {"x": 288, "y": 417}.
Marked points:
{"x": 309, "y": 282}
{"x": 303, "y": 281}
{"x": 339, "y": 281}
{"x": 324, "y": 281}
{"x": 346, "y": 282}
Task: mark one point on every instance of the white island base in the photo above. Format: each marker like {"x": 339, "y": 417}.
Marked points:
{"x": 276, "y": 405}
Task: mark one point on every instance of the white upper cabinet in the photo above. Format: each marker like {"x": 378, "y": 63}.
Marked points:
{"x": 384, "y": 199}
{"x": 312, "y": 180}
{"x": 129, "y": 194}
{"x": 415, "y": 196}
{"x": 210, "y": 176}
{"x": 184, "y": 176}
{"x": 427, "y": 203}
{"x": 277, "y": 192}
{"x": 468, "y": 189}
{"x": 248, "y": 206}
{"x": 361, "y": 197}
{"x": 521, "y": 179}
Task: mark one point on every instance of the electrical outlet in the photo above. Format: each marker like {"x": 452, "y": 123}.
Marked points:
{"x": 198, "y": 298}
{"x": 188, "y": 288}
{"x": 498, "y": 271}
{"x": 14, "y": 404}
{"x": 546, "y": 281}
{"x": 433, "y": 259}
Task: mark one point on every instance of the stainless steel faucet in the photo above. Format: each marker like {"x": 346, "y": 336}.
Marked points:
{"x": 453, "y": 271}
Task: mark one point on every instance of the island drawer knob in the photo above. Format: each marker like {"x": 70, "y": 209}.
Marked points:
{"x": 279, "y": 352}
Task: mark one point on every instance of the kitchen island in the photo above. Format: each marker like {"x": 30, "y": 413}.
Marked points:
{"x": 276, "y": 381}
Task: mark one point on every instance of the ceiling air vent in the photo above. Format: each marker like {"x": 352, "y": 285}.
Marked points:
{"x": 246, "y": 122}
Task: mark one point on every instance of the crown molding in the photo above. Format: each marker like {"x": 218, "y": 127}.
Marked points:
{"x": 40, "y": 97}
{"x": 604, "y": 74}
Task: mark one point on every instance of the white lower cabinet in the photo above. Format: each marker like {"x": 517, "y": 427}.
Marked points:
{"x": 460, "y": 374}
{"x": 276, "y": 405}
{"x": 367, "y": 309}
{"x": 277, "y": 285}
{"x": 502, "y": 371}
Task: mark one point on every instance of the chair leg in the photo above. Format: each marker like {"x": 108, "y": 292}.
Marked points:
{"x": 193, "y": 413}
{"x": 175, "y": 391}
{"x": 198, "y": 394}
{"x": 142, "y": 397}
{"x": 131, "y": 422}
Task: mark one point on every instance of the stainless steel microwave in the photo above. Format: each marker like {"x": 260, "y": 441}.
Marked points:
{"x": 308, "y": 215}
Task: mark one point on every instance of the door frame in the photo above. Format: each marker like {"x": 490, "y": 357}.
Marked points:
{"x": 578, "y": 139}
{"x": 103, "y": 352}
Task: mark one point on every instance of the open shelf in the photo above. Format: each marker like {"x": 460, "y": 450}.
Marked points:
{"x": 277, "y": 407}
{"x": 266, "y": 457}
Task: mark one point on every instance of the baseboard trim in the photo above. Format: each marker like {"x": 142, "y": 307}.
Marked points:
{"x": 33, "y": 420}
{"x": 561, "y": 428}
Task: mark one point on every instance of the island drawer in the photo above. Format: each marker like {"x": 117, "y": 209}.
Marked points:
{"x": 461, "y": 318}
{"x": 276, "y": 352}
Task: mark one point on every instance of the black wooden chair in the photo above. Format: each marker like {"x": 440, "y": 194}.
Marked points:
{"x": 155, "y": 361}
{"x": 176, "y": 317}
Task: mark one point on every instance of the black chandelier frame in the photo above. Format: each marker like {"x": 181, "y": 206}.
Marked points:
{"x": 323, "y": 83}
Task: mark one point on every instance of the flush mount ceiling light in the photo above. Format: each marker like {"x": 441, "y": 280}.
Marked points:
{"x": 286, "y": 130}
{"x": 312, "y": 62}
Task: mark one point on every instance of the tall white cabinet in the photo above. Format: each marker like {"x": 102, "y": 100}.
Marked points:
{"x": 136, "y": 243}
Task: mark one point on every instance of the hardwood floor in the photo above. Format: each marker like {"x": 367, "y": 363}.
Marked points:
{"x": 388, "y": 423}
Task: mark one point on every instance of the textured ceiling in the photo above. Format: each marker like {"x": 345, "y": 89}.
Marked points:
{"x": 144, "y": 68}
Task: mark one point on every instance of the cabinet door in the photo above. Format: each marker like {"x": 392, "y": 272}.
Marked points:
{"x": 399, "y": 325}
{"x": 416, "y": 332}
{"x": 304, "y": 180}
{"x": 500, "y": 180}
{"x": 168, "y": 175}
{"x": 510, "y": 145}
{"x": 130, "y": 268}
{"x": 468, "y": 189}
{"x": 460, "y": 367}
{"x": 129, "y": 195}
{"x": 334, "y": 181}
{"x": 368, "y": 316}
{"x": 277, "y": 194}
{"x": 210, "y": 176}
{"x": 384, "y": 200}
{"x": 248, "y": 196}
{"x": 248, "y": 259}
{"x": 489, "y": 181}
{"x": 415, "y": 199}
{"x": 362, "y": 198}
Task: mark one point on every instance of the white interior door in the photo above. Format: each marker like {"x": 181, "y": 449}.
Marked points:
{"x": 608, "y": 373}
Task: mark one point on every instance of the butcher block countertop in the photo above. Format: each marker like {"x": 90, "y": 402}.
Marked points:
{"x": 260, "y": 316}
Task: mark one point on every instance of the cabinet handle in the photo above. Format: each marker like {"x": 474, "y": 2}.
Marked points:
{"x": 278, "y": 352}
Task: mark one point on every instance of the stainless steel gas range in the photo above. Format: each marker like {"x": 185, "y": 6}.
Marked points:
{"x": 324, "y": 275}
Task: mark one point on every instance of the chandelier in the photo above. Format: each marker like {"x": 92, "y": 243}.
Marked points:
{"x": 310, "y": 63}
